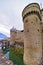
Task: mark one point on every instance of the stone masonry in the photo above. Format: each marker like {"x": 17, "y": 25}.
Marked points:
{"x": 32, "y": 18}
{"x": 16, "y": 36}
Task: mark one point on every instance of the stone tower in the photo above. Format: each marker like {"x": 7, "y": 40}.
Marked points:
{"x": 42, "y": 24}
{"x": 12, "y": 36}
{"x": 32, "y": 34}
{"x": 42, "y": 32}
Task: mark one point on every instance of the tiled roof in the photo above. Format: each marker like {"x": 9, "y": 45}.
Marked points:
{"x": 4, "y": 60}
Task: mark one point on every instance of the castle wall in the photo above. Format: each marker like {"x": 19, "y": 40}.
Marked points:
{"x": 19, "y": 37}
{"x": 12, "y": 37}
{"x": 32, "y": 34}
{"x": 16, "y": 36}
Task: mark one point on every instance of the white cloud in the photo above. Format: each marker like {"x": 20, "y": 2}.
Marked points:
{"x": 11, "y": 13}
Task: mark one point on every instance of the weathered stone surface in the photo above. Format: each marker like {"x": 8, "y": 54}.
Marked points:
{"x": 42, "y": 33}
{"x": 32, "y": 35}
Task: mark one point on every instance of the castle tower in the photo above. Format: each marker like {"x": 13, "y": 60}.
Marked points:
{"x": 42, "y": 23}
{"x": 12, "y": 36}
{"x": 42, "y": 32}
{"x": 32, "y": 34}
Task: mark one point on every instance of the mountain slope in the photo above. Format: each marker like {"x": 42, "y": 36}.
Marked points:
{"x": 2, "y": 36}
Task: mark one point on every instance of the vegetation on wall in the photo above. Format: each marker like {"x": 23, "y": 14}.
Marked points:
{"x": 16, "y": 55}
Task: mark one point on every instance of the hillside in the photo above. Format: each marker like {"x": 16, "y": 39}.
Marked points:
{"x": 2, "y": 36}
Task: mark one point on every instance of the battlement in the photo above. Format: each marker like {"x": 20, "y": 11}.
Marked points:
{"x": 32, "y": 8}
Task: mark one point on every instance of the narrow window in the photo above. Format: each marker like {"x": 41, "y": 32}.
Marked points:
{"x": 42, "y": 30}
{"x": 32, "y": 22}
{"x": 27, "y": 30}
{"x": 26, "y": 21}
{"x": 38, "y": 30}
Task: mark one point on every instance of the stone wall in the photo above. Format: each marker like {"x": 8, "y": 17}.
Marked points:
{"x": 16, "y": 36}
{"x": 19, "y": 36}
{"x": 12, "y": 36}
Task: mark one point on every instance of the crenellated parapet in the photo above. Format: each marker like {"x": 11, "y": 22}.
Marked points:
{"x": 31, "y": 9}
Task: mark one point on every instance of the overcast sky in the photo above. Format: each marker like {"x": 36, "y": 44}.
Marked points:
{"x": 11, "y": 14}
